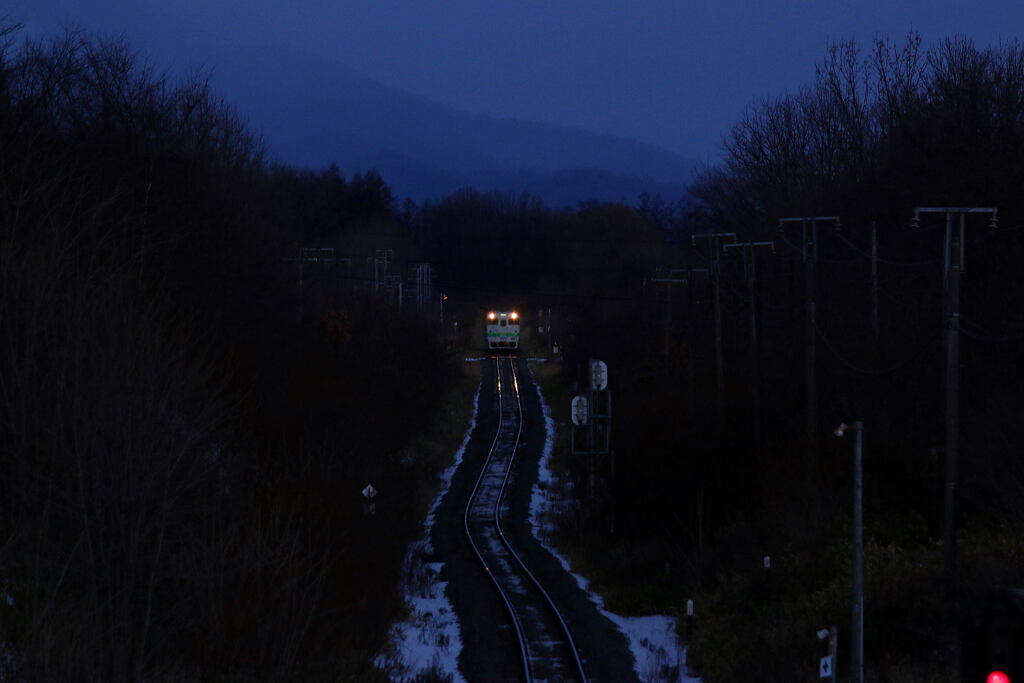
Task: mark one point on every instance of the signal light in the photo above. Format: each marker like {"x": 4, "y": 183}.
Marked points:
{"x": 997, "y": 677}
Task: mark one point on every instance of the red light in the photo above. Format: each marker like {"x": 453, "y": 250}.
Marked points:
{"x": 997, "y": 677}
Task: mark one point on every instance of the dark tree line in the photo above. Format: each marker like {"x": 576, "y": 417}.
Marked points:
{"x": 876, "y": 134}
{"x": 188, "y": 408}
{"x": 183, "y": 433}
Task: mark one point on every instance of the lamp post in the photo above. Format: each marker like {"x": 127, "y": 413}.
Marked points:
{"x": 857, "y": 630}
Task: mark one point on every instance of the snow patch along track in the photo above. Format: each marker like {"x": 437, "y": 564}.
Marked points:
{"x": 658, "y": 657}
{"x": 428, "y": 640}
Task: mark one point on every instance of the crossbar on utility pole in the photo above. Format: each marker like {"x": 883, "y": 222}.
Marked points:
{"x": 809, "y": 253}
{"x": 953, "y": 263}
{"x": 715, "y": 266}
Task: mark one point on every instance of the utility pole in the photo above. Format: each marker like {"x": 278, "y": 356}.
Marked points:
{"x": 953, "y": 264}
{"x": 749, "y": 250}
{"x": 381, "y": 261}
{"x": 422, "y": 279}
{"x": 874, "y": 281}
{"x": 715, "y": 265}
{"x": 671, "y": 278}
{"x": 550, "y": 347}
{"x": 691, "y": 384}
{"x": 809, "y": 255}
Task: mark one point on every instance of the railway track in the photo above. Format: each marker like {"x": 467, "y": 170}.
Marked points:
{"x": 546, "y": 647}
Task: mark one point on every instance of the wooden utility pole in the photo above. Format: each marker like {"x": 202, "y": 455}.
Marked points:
{"x": 691, "y": 379}
{"x": 953, "y": 263}
{"x": 715, "y": 263}
{"x": 673, "y": 276}
{"x": 951, "y": 303}
{"x": 749, "y": 250}
{"x": 809, "y": 255}
{"x": 874, "y": 282}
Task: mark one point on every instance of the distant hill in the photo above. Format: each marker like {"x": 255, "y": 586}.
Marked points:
{"x": 313, "y": 111}
{"x": 565, "y": 188}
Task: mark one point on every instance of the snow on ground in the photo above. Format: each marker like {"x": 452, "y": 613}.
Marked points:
{"x": 658, "y": 657}
{"x": 428, "y": 639}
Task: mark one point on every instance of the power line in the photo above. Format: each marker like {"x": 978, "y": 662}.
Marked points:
{"x": 859, "y": 368}
{"x": 977, "y": 336}
{"x": 888, "y": 262}
{"x": 491, "y": 292}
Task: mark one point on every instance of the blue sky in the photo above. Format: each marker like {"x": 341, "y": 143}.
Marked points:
{"x": 672, "y": 73}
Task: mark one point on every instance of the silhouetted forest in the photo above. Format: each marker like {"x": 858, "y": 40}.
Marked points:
{"x": 206, "y": 355}
{"x": 696, "y": 504}
{"x": 188, "y": 409}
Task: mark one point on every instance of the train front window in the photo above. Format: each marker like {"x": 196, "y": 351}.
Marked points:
{"x": 503, "y": 322}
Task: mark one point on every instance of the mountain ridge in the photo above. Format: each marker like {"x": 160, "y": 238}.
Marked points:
{"x": 312, "y": 110}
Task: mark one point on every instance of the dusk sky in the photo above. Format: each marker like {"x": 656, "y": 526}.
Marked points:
{"x": 665, "y": 72}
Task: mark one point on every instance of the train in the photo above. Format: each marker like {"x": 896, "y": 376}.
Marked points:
{"x": 502, "y": 331}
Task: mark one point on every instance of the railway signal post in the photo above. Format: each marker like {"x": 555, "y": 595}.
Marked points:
{"x": 593, "y": 412}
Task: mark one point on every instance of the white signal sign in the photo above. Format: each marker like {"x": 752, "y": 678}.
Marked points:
{"x": 580, "y": 411}
{"x": 598, "y": 375}
{"x": 369, "y": 492}
{"x": 825, "y": 667}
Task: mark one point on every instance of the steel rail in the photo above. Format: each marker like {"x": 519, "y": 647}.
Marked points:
{"x": 523, "y": 648}
{"x": 508, "y": 545}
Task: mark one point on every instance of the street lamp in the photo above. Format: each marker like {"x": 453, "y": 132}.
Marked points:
{"x": 857, "y": 638}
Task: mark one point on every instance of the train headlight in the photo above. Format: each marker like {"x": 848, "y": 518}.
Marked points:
{"x": 492, "y": 315}
{"x": 514, "y": 315}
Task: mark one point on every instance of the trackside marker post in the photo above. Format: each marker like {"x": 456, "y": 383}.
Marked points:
{"x": 689, "y": 619}
{"x": 369, "y": 493}
{"x": 827, "y": 664}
